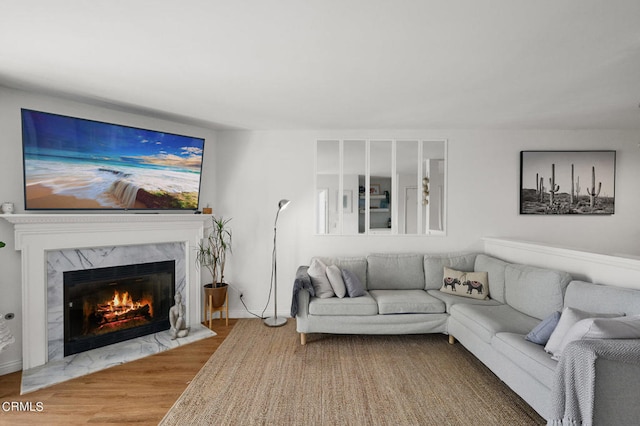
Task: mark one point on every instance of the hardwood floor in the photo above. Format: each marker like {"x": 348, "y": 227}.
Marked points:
{"x": 139, "y": 392}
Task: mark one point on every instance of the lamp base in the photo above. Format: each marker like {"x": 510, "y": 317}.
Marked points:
{"x": 275, "y": 321}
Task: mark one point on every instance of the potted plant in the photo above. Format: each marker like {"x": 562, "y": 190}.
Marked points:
{"x": 212, "y": 254}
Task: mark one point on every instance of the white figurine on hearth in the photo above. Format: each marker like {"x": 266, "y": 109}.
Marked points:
{"x": 6, "y": 338}
{"x": 177, "y": 319}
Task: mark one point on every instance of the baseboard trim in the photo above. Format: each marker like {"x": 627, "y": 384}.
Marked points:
{"x": 10, "y": 367}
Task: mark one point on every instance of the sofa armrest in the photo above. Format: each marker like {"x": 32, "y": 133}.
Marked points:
{"x": 303, "y": 304}
{"x": 617, "y": 387}
{"x": 599, "y": 380}
{"x": 302, "y": 290}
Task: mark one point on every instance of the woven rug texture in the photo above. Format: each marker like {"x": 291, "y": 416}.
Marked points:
{"x": 263, "y": 376}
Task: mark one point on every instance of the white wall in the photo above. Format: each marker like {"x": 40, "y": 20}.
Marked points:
{"x": 246, "y": 173}
{"x": 255, "y": 169}
{"x": 11, "y": 187}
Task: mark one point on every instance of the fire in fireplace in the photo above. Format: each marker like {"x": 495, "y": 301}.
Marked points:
{"x": 103, "y": 306}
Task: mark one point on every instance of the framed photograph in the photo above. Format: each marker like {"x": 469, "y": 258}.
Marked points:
{"x": 567, "y": 182}
{"x": 374, "y": 189}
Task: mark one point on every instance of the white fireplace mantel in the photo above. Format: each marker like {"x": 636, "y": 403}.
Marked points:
{"x": 36, "y": 234}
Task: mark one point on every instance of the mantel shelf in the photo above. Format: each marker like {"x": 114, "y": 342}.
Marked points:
{"x": 52, "y": 218}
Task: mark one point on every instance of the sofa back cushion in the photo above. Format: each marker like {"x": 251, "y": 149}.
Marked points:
{"x": 397, "y": 271}
{"x": 602, "y": 298}
{"x": 434, "y": 267}
{"x": 357, "y": 265}
{"x": 495, "y": 268}
{"x": 534, "y": 291}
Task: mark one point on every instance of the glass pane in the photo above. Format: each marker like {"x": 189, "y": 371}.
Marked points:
{"x": 407, "y": 168}
{"x": 353, "y": 200}
{"x": 434, "y": 198}
{"x": 380, "y": 188}
{"x": 327, "y": 187}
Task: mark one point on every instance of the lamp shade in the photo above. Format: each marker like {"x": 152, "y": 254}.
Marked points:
{"x": 283, "y": 204}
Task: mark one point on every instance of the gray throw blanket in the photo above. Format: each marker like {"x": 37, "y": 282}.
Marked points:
{"x": 572, "y": 397}
{"x": 302, "y": 282}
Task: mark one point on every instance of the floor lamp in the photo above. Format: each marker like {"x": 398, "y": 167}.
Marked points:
{"x": 274, "y": 321}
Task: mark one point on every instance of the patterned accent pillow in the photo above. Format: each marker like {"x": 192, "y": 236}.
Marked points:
{"x": 466, "y": 284}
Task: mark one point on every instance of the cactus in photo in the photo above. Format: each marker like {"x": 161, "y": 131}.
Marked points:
{"x": 592, "y": 191}
{"x": 553, "y": 188}
{"x": 578, "y": 189}
{"x": 541, "y": 189}
{"x": 537, "y": 184}
{"x": 572, "y": 187}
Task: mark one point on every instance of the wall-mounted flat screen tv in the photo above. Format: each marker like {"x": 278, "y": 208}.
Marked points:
{"x": 78, "y": 164}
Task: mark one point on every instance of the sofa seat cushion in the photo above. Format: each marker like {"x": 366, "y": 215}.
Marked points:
{"x": 451, "y": 299}
{"x": 529, "y": 356}
{"x": 407, "y": 302}
{"x": 363, "y": 305}
{"x": 486, "y": 320}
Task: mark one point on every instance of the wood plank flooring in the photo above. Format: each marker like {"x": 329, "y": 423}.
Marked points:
{"x": 139, "y": 392}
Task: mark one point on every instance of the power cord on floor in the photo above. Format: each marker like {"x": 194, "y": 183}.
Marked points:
{"x": 261, "y": 316}
{"x": 247, "y": 309}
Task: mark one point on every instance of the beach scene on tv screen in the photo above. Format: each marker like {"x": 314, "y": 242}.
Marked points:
{"x": 72, "y": 163}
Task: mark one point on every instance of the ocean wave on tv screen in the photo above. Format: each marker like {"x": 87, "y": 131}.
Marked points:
{"x": 93, "y": 180}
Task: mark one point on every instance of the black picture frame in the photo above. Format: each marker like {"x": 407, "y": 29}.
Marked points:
{"x": 567, "y": 182}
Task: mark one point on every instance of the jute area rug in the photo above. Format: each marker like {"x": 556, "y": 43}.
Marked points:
{"x": 263, "y": 376}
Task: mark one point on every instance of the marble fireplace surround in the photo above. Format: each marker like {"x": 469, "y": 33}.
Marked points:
{"x": 60, "y": 261}
{"x": 47, "y": 240}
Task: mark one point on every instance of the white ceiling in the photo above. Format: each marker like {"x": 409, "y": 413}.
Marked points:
{"x": 314, "y": 64}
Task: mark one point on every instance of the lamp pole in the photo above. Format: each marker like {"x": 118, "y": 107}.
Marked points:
{"x": 274, "y": 321}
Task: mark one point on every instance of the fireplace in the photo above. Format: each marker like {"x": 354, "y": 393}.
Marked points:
{"x": 53, "y": 243}
{"x": 103, "y": 306}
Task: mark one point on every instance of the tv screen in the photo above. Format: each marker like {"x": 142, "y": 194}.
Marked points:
{"x": 78, "y": 164}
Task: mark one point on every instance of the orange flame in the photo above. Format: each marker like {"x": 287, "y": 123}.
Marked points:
{"x": 124, "y": 302}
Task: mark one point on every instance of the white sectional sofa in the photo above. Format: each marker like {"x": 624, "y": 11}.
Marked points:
{"x": 403, "y": 296}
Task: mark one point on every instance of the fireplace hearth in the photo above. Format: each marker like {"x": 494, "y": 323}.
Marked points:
{"x": 103, "y": 306}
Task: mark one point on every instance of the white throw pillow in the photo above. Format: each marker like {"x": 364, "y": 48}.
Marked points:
{"x": 569, "y": 317}
{"x": 318, "y": 273}
{"x": 335, "y": 279}
{"x": 602, "y": 328}
{"x": 615, "y": 328}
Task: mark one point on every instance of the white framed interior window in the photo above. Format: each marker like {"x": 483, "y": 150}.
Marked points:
{"x": 380, "y": 187}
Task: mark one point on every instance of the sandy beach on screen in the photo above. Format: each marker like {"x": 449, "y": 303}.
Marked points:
{"x": 41, "y": 197}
